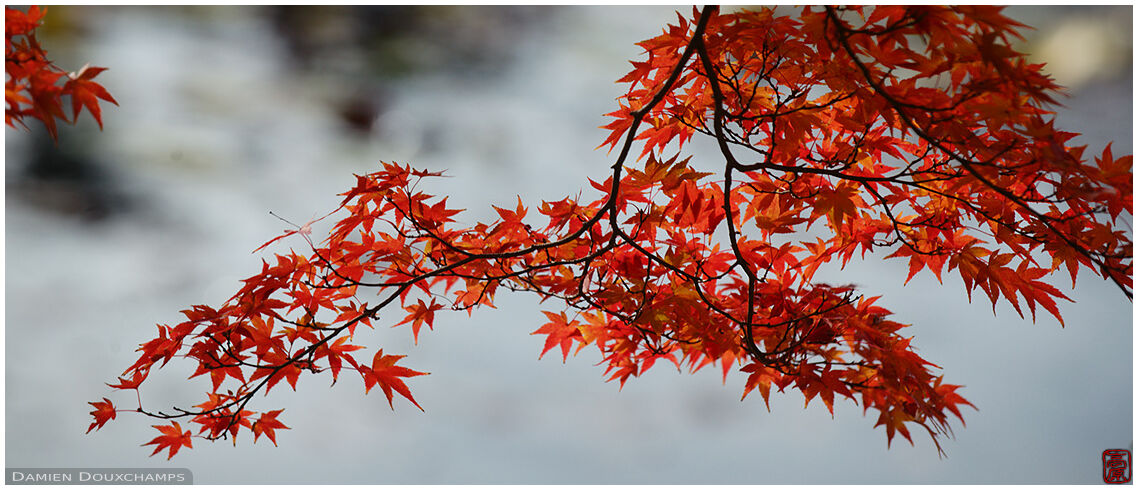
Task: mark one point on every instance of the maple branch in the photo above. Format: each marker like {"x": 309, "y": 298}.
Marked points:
{"x": 645, "y": 266}
{"x": 712, "y": 77}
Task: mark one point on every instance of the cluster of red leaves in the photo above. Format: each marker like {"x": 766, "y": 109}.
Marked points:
{"x": 916, "y": 129}
{"x": 32, "y": 85}
{"x": 956, "y": 164}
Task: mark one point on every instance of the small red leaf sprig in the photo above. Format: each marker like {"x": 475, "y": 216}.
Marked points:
{"x": 34, "y": 87}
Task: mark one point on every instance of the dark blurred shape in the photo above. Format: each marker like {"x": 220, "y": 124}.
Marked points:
{"x": 366, "y": 48}
{"x": 62, "y": 180}
{"x": 360, "y": 110}
{"x": 315, "y": 34}
{"x": 397, "y": 40}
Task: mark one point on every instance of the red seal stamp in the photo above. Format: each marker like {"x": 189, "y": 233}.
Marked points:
{"x": 1116, "y": 466}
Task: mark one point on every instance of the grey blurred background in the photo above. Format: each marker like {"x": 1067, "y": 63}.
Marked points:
{"x": 227, "y": 113}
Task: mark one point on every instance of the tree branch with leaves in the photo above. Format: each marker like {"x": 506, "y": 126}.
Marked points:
{"x": 913, "y": 131}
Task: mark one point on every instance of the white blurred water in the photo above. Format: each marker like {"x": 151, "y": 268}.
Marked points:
{"x": 216, "y": 127}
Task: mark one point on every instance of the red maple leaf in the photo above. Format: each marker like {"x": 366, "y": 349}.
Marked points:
{"x": 85, "y": 93}
{"x": 559, "y": 331}
{"x": 172, "y": 437}
{"x": 267, "y": 424}
{"x": 386, "y": 374}
{"x": 103, "y": 412}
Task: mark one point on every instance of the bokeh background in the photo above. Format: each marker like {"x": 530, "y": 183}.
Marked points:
{"x": 227, "y": 113}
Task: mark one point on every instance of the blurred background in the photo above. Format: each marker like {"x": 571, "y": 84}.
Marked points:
{"x": 227, "y": 113}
